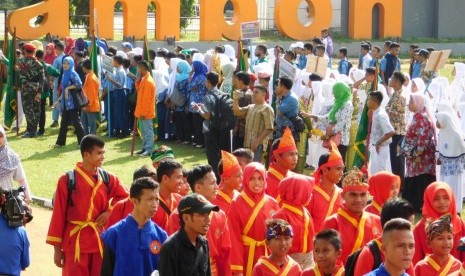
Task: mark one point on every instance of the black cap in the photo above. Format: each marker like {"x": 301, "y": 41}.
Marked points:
{"x": 195, "y": 203}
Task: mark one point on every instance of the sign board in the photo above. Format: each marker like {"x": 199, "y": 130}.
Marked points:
{"x": 437, "y": 60}
{"x": 318, "y": 65}
{"x": 287, "y": 69}
{"x": 250, "y": 30}
{"x": 107, "y": 64}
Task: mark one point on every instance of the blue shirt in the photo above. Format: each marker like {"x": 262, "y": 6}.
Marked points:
{"x": 288, "y": 108}
{"x": 383, "y": 63}
{"x": 57, "y": 64}
{"x": 302, "y": 62}
{"x": 136, "y": 251}
{"x": 14, "y": 249}
{"x": 75, "y": 80}
{"x": 343, "y": 67}
{"x": 119, "y": 75}
{"x": 416, "y": 72}
{"x": 373, "y": 62}
{"x": 182, "y": 87}
{"x": 381, "y": 271}
{"x": 197, "y": 91}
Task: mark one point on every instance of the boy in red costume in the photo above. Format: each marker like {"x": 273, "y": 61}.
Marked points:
{"x": 231, "y": 181}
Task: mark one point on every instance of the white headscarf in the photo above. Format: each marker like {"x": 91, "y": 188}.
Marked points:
{"x": 317, "y": 96}
{"x": 208, "y": 60}
{"x": 357, "y": 74}
{"x": 160, "y": 81}
{"x": 172, "y": 79}
{"x": 420, "y": 84}
{"x": 198, "y": 56}
{"x": 461, "y": 110}
{"x": 327, "y": 92}
{"x": 230, "y": 52}
{"x": 445, "y": 107}
{"x": 160, "y": 65}
{"x": 450, "y": 141}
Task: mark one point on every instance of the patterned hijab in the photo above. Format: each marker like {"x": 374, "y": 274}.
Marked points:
{"x": 9, "y": 160}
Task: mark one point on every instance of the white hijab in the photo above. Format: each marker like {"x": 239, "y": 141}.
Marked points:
{"x": 172, "y": 79}
{"x": 327, "y": 92}
{"x": 160, "y": 81}
{"x": 160, "y": 65}
{"x": 450, "y": 141}
{"x": 420, "y": 84}
{"x": 445, "y": 107}
{"x": 318, "y": 96}
{"x": 461, "y": 110}
{"x": 230, "y": 52}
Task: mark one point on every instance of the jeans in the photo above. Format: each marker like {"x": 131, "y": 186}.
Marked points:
{"x": 89, "y": 122}
{"x": 146, "y": 129}
{"x": 70, "y": 117}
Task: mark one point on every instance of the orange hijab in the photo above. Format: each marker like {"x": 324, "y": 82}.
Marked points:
{"x": 296, "y": 189}
{"x": 428, "y": 211}
{"x": 381, "y": 184}
{"x": 248, "y": 172}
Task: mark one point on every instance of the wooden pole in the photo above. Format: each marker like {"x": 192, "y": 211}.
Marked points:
{"x": 134, "y": 132}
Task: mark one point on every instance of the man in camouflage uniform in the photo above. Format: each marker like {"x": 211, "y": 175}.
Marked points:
{"x": 31, "y": 76}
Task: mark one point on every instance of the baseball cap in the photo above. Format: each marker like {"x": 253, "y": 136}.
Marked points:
{"x": 195, "y": 203}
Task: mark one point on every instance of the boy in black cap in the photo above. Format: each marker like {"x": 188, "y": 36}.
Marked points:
{"x": 186, "y": 251}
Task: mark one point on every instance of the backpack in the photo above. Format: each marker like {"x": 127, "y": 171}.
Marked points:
{"x": 223, "y": 118}
{"x": 72, "y": 184}
{"x": 349, "y": 65}
{"x": 352, "y": 259}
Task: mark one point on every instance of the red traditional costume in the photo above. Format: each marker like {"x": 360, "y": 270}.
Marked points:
{"x": 219, "y": 242}
{"x": 366, "y": 261}
{"x": 275, "y": 174}
{"x": 120, "y": 211}
{"x": 324, "y": 204}
{"x": 338, "y": 271}
{"x": 430, "y": 215}
{"x": 246, "y": 219}
{"x": 295, "y": 192}
{"x": 430, "y": 266}
{"x": 266, "y": 267}
{"x": 230, "y": 167}
{"x": 355, "y": 231}
{"x": 381, "y": 185}
{"x": 161, "y": 217}
{"x": 73, "y": 227}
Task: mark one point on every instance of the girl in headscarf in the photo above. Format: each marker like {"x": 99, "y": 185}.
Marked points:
{"x": 457, "y": 87}
{"x": 70, "y": 82}
{"x": 451, "y": 154}
{"x": 419, "y": 147}
{"x": 227, "y": 71}
{"x": 295, "y": 192}
{"x": 383, "y": 186}
{"x": 197, "y": 90}
{"x": 418, "y": 86}
{"x": 11, "y": 168}
{"x": 338, "y": 120}
{"x": 50, "y": 53}
{"x": 181, "y": 113}
{"x": 247, "y": 216}
{"x": 69, "y": 45}
{"x": 163, "y": 111}
{"x": 438, "y": 201}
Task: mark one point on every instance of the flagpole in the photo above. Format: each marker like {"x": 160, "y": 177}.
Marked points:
{"x": 16, "y": 86}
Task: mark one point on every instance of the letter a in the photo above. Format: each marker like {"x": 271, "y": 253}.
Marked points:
{"x": 285, "y": 14}
{"x": 55, "y": 22}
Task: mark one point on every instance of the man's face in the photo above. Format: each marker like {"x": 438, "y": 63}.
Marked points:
{"x": 174, "y": 181}
{"x": 207, "y": 186}
{"x": 147, "y": 205}
{"x": 356, "y": 201}
{"x": 333, "y": 174}
{"x": 96, "y": 157}
{"x": 234, "y": 181}
{"x": 398, "y": 248}
{"x": 287, "y": 160}
{"x": 199, "y": 223}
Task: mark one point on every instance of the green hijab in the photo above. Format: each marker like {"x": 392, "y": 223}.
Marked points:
{"x": 342, "y": 94}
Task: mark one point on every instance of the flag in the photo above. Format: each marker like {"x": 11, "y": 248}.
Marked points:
{"x": 11, "y": 88}
{"x": 95, "y": 69}
{"x": 146, "y": 57}
{"x": 360, "y": 158}
{"x": 3, "y": 69}
{"x": 243, "y": 59}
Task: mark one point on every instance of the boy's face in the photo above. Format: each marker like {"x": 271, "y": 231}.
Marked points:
{"x": 243, "y": 161}
{"x": 341, "y": 55}
{"x": 185, "y": 188}
{"x": 115, "y": 63}
{"x": 325, "y": 253}
{"x": 398, "y": 248}
{"x": 234, "y": 181}
{"x": 363, "y": 51}
{"x": 258, "y": 96}
{"x": 320, "y": 52}
{"x": 174, "y": 181}
{"x": 442, "y": 244}
{"x": 287, "y": 160}
{"x": 207, "y": 186}
{"x": 356, "y": 201}
{"x": 395, "y": 51}
{"x": 369, "y": 77}
{"x": 374, "y": 52}
{"x": 287, "y": 58}
{"x": 333, "y": 174}
{"x": 280, "y": 246}
{"x": 95, "y": 157}
{"x": 147, "y": 204}
{"x": 372, "y": 103}
{"x": 141, "y": 70}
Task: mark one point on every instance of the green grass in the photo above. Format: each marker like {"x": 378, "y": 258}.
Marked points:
{"x": 44, "y": 164}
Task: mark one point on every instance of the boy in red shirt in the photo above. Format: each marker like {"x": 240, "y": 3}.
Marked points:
{"x": 231, "y": 181}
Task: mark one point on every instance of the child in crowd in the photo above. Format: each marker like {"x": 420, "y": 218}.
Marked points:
{"x": 440, "y": 239}
{"x": 231, "y": 180}
{"x": 185, "y": 188}
{"x": 438, "y": 201}
{"x": 383, "y": 186}
{"x": 279, "y": 236}
{"x": 343, "y": 66}
{"x": 244, "y": 156}
{"x": 161, "y": 153}
{"x": 327, "y": 249}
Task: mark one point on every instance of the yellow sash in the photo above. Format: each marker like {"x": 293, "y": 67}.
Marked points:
{"x": 339, "y": 272}
{"x": 437, "y": 267}
{"x": 279, "y": 176}
{"x": 376, "y": 205}
{"x": 327, "y": 197}
{"x": 224, "y": 196}
{"x": 248, "y": 240}
{"x": 359, "y": 225}
{"x": 276, "y": 270}
{"x": 306, "y": 223}
{"x": 79, "y": 225}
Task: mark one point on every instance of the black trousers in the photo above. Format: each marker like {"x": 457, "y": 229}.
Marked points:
{"x": 414, "y": 189}
{"x": 70, "y": 117}
{"x": 397, "y": 162}
{"x": 343, "y": 151}
{"x": 43, "y": 104}
{"x": 197, "y": 129}
{"x": 216, "y": 141}
{"x": 183, "y": 130}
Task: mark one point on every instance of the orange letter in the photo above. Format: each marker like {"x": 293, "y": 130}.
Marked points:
{"x": 56, "y": 19}
{"x": 360, "y": 18}
{"x": 285, "y": 14}
{"x": 135, "y": 17}
{"x": 213, "y": 25}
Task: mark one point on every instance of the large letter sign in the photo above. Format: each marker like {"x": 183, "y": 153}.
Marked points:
{"x": 56, "y": 19}
{"x": 213, "y": 26}
{"x": 285, "y": 16}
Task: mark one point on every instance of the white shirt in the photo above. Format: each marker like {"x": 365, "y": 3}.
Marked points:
{"x": 380, "y": 126}
{"x": 366, "y": 61}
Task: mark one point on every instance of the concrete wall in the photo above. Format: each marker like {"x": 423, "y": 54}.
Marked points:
{"x": 420, "y": 18}
{"x": 451, "y": 18}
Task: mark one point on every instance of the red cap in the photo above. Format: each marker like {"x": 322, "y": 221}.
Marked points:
{"x": 29, "y": 47}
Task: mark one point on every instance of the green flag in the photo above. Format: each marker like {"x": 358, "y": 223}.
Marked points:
{"x": 3, "y": 68}
{"x": 94, "y": 63}
{"x": 360, "y": 140}
{"x": 10, "y": 99}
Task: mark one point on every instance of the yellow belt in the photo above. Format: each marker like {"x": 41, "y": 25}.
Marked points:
{"x": 252, "y": 244}
{"x": 77, "y": 229}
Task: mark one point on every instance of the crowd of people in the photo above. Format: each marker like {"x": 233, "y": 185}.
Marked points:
{"x": 383, "y": 146}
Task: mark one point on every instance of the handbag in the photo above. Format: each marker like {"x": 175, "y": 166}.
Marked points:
{"x": 80, "y": 99}
{"x": 177, "y": 98}
{"x": 336, "y": 138}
